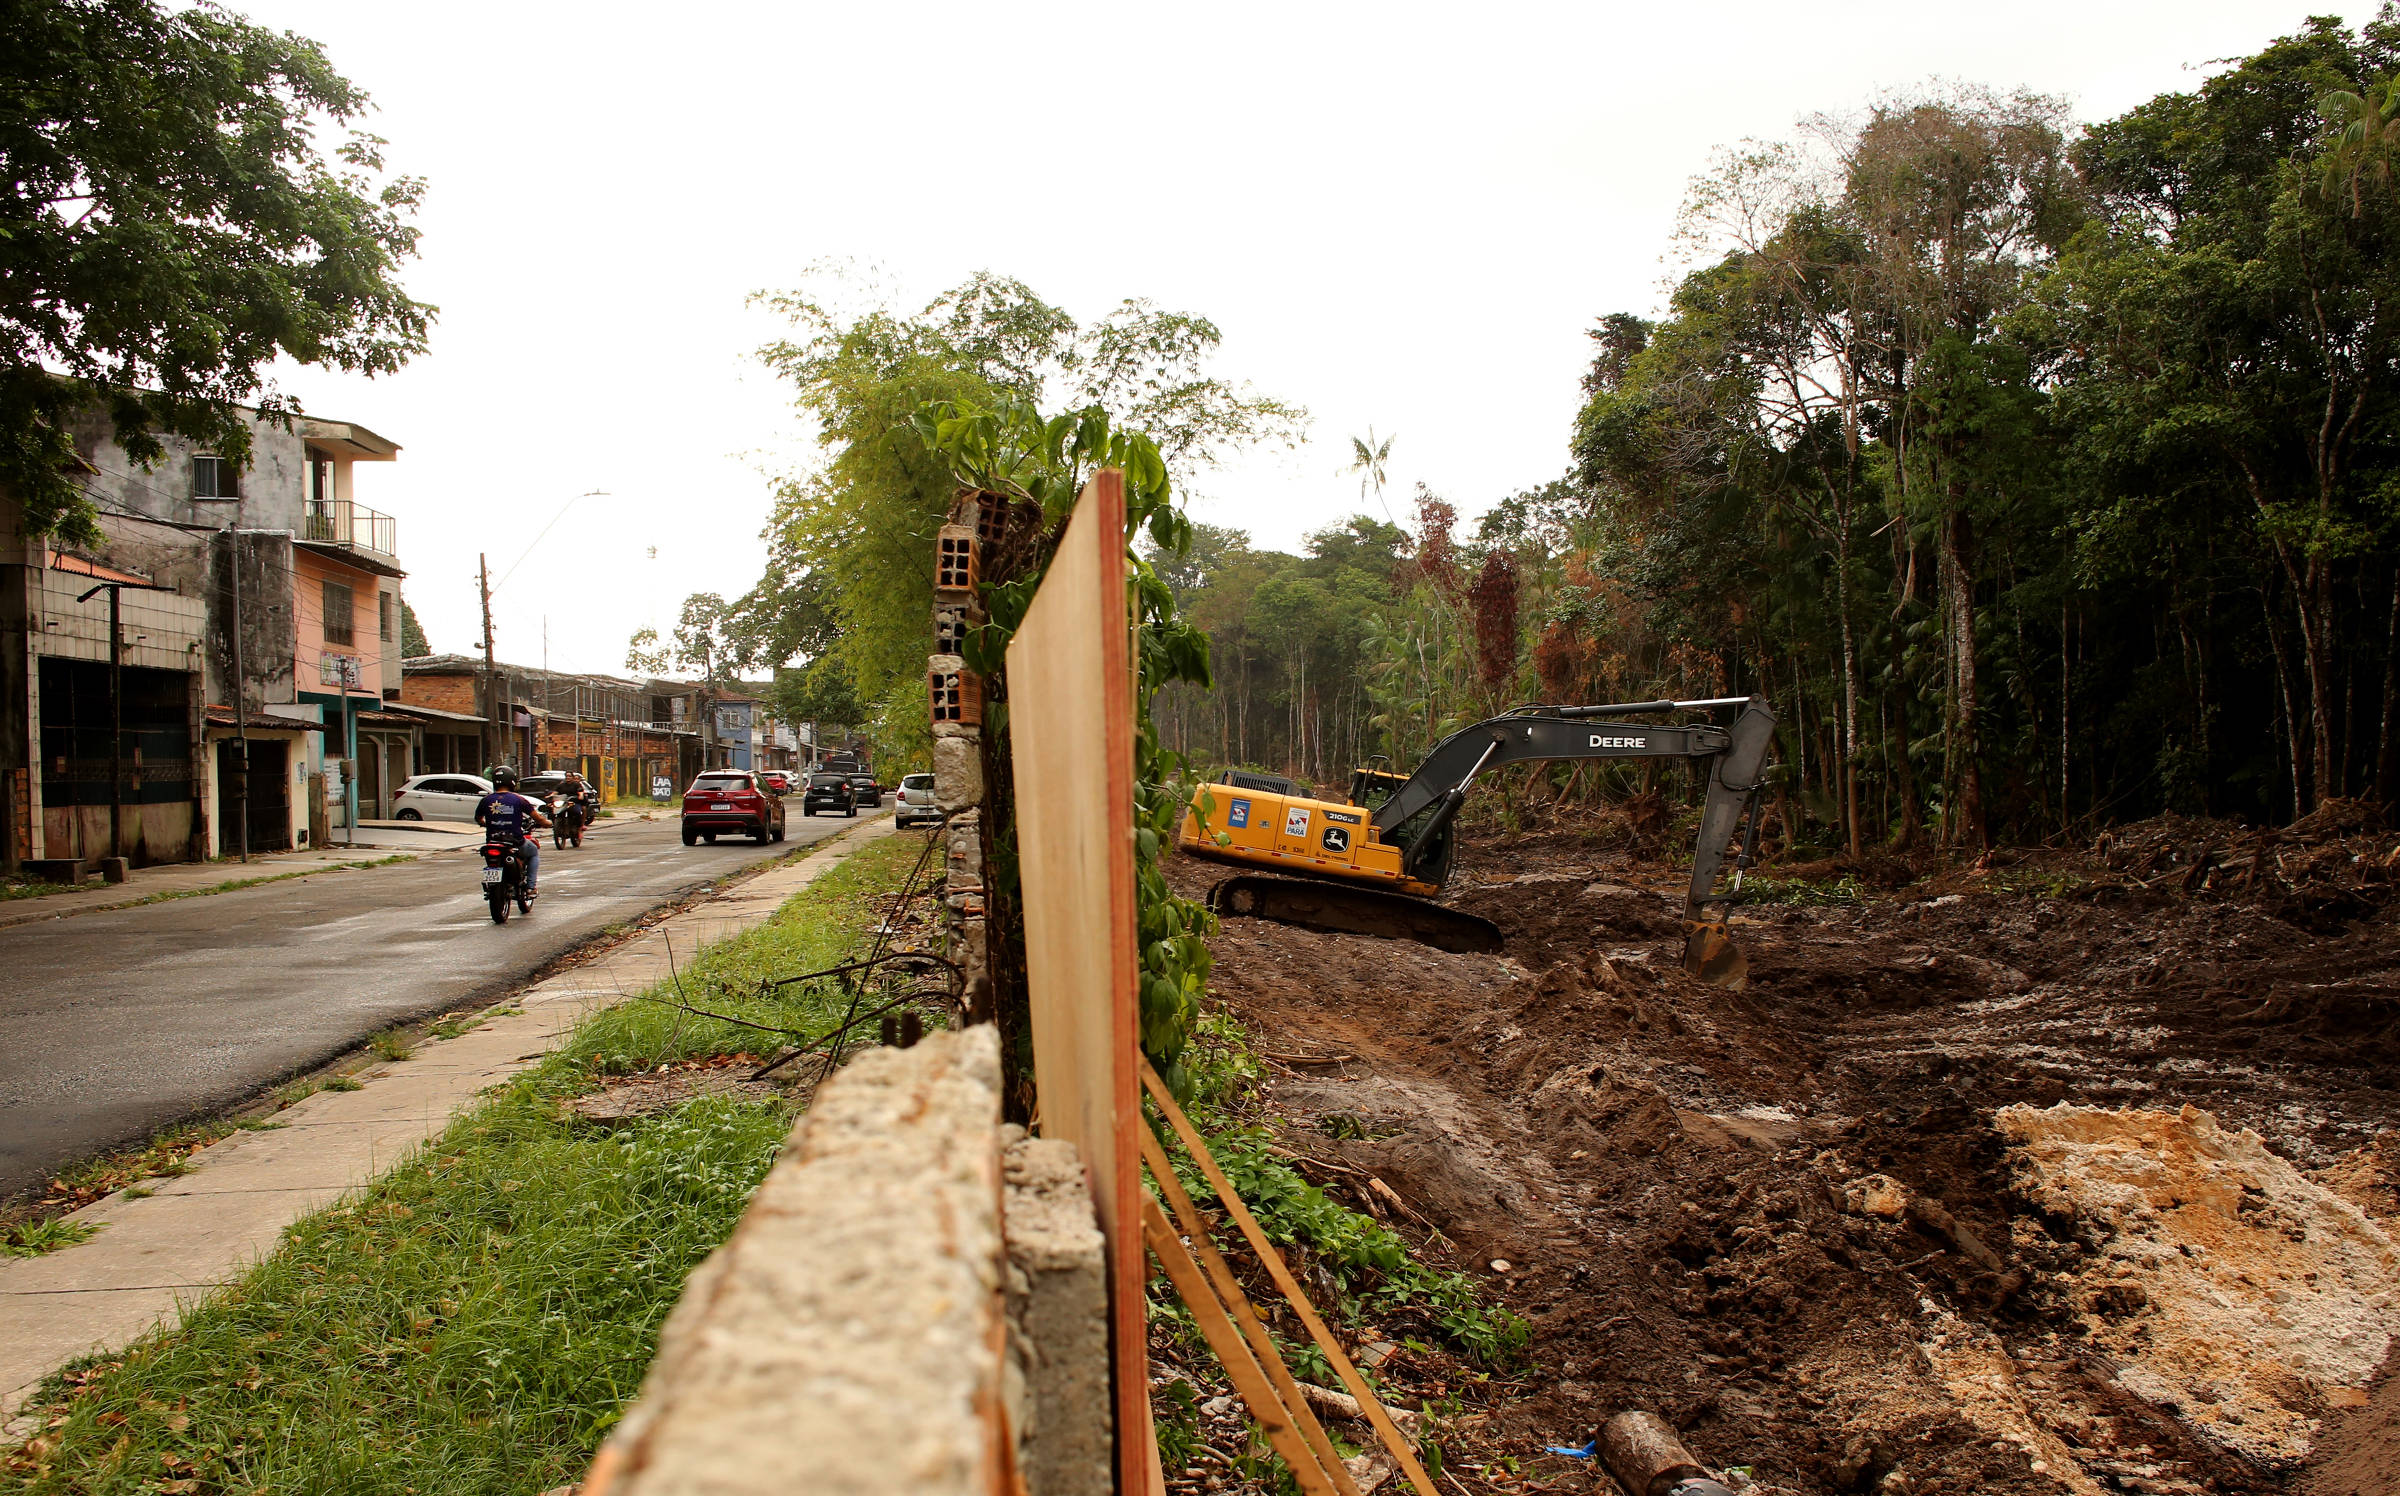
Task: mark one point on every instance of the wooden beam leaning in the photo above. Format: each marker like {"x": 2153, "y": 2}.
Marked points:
{"x": 1245, "y": 1315}
{"x": 1071, "y": 712}
{"x": 1216, "y": 1327}
{"x": 1394, "y": 1440}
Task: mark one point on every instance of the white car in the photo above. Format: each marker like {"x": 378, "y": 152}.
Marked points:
{"x": 915, "y": 803}
{"x": 439, "y": 797}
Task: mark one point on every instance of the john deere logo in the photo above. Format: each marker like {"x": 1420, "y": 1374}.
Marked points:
{"x": 1337, "y": 839}
{"x": 1601, "y": 742}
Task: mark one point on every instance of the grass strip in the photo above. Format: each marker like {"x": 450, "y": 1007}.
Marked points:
{"x": 37, "y": 890}
{"x": 476, "y": 1320}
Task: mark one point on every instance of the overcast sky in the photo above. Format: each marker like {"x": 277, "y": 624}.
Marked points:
{"x": 1399, "y": 215}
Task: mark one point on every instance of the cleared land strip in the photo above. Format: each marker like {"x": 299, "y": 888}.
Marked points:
{"x": 200, "y": 1230}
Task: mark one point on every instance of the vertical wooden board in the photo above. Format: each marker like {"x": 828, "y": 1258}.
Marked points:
{"x": 1070, "y": 725}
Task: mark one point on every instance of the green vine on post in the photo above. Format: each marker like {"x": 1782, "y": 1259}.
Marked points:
{"x": 1010, "y": 448}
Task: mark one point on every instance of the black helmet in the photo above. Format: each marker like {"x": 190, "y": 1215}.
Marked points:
{"x": 504, "y": 778}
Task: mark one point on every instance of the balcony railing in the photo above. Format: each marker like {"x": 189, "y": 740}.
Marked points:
{"x": 341, "y": 522}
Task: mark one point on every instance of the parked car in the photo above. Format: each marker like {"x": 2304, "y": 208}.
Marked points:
{"x": 869, "y": 792}
{"x": 729, "y": 802}
{"x": 539, "y": 787}
{"x": 778, "y": 780}
{"x": 829, "y": 793}
{"x": 915, "y": 804}
{"x": 439, "y": 797}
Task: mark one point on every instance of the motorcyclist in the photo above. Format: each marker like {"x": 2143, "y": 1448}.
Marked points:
{"x": 504, "y": 812}
{"x": 581, "y": 792}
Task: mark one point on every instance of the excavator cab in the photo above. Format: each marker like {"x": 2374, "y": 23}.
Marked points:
{"x": 1370, "y": 786}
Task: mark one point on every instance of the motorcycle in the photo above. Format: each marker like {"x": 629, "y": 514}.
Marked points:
{"x": 504, "y": 877}
{"x": 568, "y": 816}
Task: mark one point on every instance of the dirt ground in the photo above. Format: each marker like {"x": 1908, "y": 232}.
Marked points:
{"x": 2073, "y": 1174}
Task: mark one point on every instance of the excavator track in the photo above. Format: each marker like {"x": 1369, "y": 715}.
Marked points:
{"x": 1340, "y": 909}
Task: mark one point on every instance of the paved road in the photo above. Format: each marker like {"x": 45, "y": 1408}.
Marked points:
{"x": 113, "y": 1025}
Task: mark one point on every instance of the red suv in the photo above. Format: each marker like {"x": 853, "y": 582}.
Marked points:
{"x": 728, "y": 802}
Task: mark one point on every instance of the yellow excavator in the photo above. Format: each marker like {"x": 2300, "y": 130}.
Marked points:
{"x": 1369, "y": 864}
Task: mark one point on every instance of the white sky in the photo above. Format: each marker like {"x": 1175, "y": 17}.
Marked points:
{"x": 1403, "y": 215}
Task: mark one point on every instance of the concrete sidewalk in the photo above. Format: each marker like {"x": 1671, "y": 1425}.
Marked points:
{"x": 201, "y": 1230}
{"x": 377, "y": 841}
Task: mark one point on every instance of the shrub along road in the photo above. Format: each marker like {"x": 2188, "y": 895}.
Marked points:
{"x": 115, "y": 1024}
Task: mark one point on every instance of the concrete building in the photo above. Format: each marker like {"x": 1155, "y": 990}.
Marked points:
{"x": 257, "y": 624}
{"x": 621, "y": 735}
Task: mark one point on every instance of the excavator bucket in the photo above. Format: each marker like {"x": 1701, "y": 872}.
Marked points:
{"x": 1710, "y": 954}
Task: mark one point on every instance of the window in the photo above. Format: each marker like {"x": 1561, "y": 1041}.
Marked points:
{"x": 383, "y": 601}
{"x": 338, "y": 606}
{"x": 214, "y": 478}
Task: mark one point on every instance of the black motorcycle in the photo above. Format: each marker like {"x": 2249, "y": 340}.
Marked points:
{"x": 568, "y": 816}
{"x": 504, "y": 876}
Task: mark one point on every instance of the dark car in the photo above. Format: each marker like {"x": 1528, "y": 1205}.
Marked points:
{"x": 731, "y": 802}
{"x": 829, "y": 793}
{"x": 863, "y": 784}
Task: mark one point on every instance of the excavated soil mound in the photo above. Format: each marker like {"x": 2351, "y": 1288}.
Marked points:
{"x": 2230, "y": 1289}
{"x": 1876, "y": 1222}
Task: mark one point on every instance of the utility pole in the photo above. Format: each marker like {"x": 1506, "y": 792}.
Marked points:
{"x": 116, "y": 706}
{"x": 491, "y": 693}
{"x": 116, "y": 724}
{"x": 241, "y": 695}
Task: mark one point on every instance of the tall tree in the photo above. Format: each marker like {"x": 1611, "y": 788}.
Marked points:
{"x": 849, "y": 570}
{"x": 169, "y": 228}
{"x": 1959, "y": 199}
{"x": 2234, "y": 322}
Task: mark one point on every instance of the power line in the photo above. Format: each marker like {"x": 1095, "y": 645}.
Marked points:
{"x": 546, "y": 529}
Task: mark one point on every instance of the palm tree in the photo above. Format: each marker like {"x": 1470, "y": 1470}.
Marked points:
{"x": 1370, "y": 460}
{"x": 2366, "y": 132}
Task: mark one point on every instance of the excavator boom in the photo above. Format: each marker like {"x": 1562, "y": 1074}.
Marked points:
{"x": 1368, "y": 868}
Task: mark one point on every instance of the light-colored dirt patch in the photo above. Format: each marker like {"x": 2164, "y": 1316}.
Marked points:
{"x": 2231, "y": 1290}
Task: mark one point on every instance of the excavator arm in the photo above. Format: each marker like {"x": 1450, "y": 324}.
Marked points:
{"x": 1419, "y": 812}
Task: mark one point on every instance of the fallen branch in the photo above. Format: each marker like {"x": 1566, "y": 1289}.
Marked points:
{"x": 1343, "y": 1405}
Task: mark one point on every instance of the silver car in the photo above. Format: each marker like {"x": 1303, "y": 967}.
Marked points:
{"x": 915, "y": 804}
{"x": 439, "y": 797}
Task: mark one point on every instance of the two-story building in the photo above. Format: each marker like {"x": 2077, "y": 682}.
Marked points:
{"x": 612, "y": 731}
{"x": 255, "y": 636}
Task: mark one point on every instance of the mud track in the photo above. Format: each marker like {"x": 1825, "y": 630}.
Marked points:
{"x": 1797, "y": 1221}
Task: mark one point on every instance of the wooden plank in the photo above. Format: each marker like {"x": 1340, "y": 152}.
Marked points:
{"x": 1244, "y": 1315}
{"x": 1217, "y": 1329}
{"x": 1070, "y": 724}
{"x": 1393, "y": 1440}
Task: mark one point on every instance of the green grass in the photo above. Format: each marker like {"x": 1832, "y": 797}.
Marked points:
{"x": 476, "y": 1320}
{"x": 1374, "y": 1273}
{"x": 33, "y": 1238}
{"x": 162, "y": 1157}
{"x": 27, "y": 890}
{"x": 1803, "y": 892}
{"x": 391, "y": 1044}
{"x": 34, "y": 889}
{"x": 1370, "y": 1263}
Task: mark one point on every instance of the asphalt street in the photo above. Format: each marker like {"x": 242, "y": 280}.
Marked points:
{"x": 113, "y": 1025}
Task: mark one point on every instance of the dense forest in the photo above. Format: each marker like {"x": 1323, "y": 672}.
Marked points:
{"x": 2042, "y": 474}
